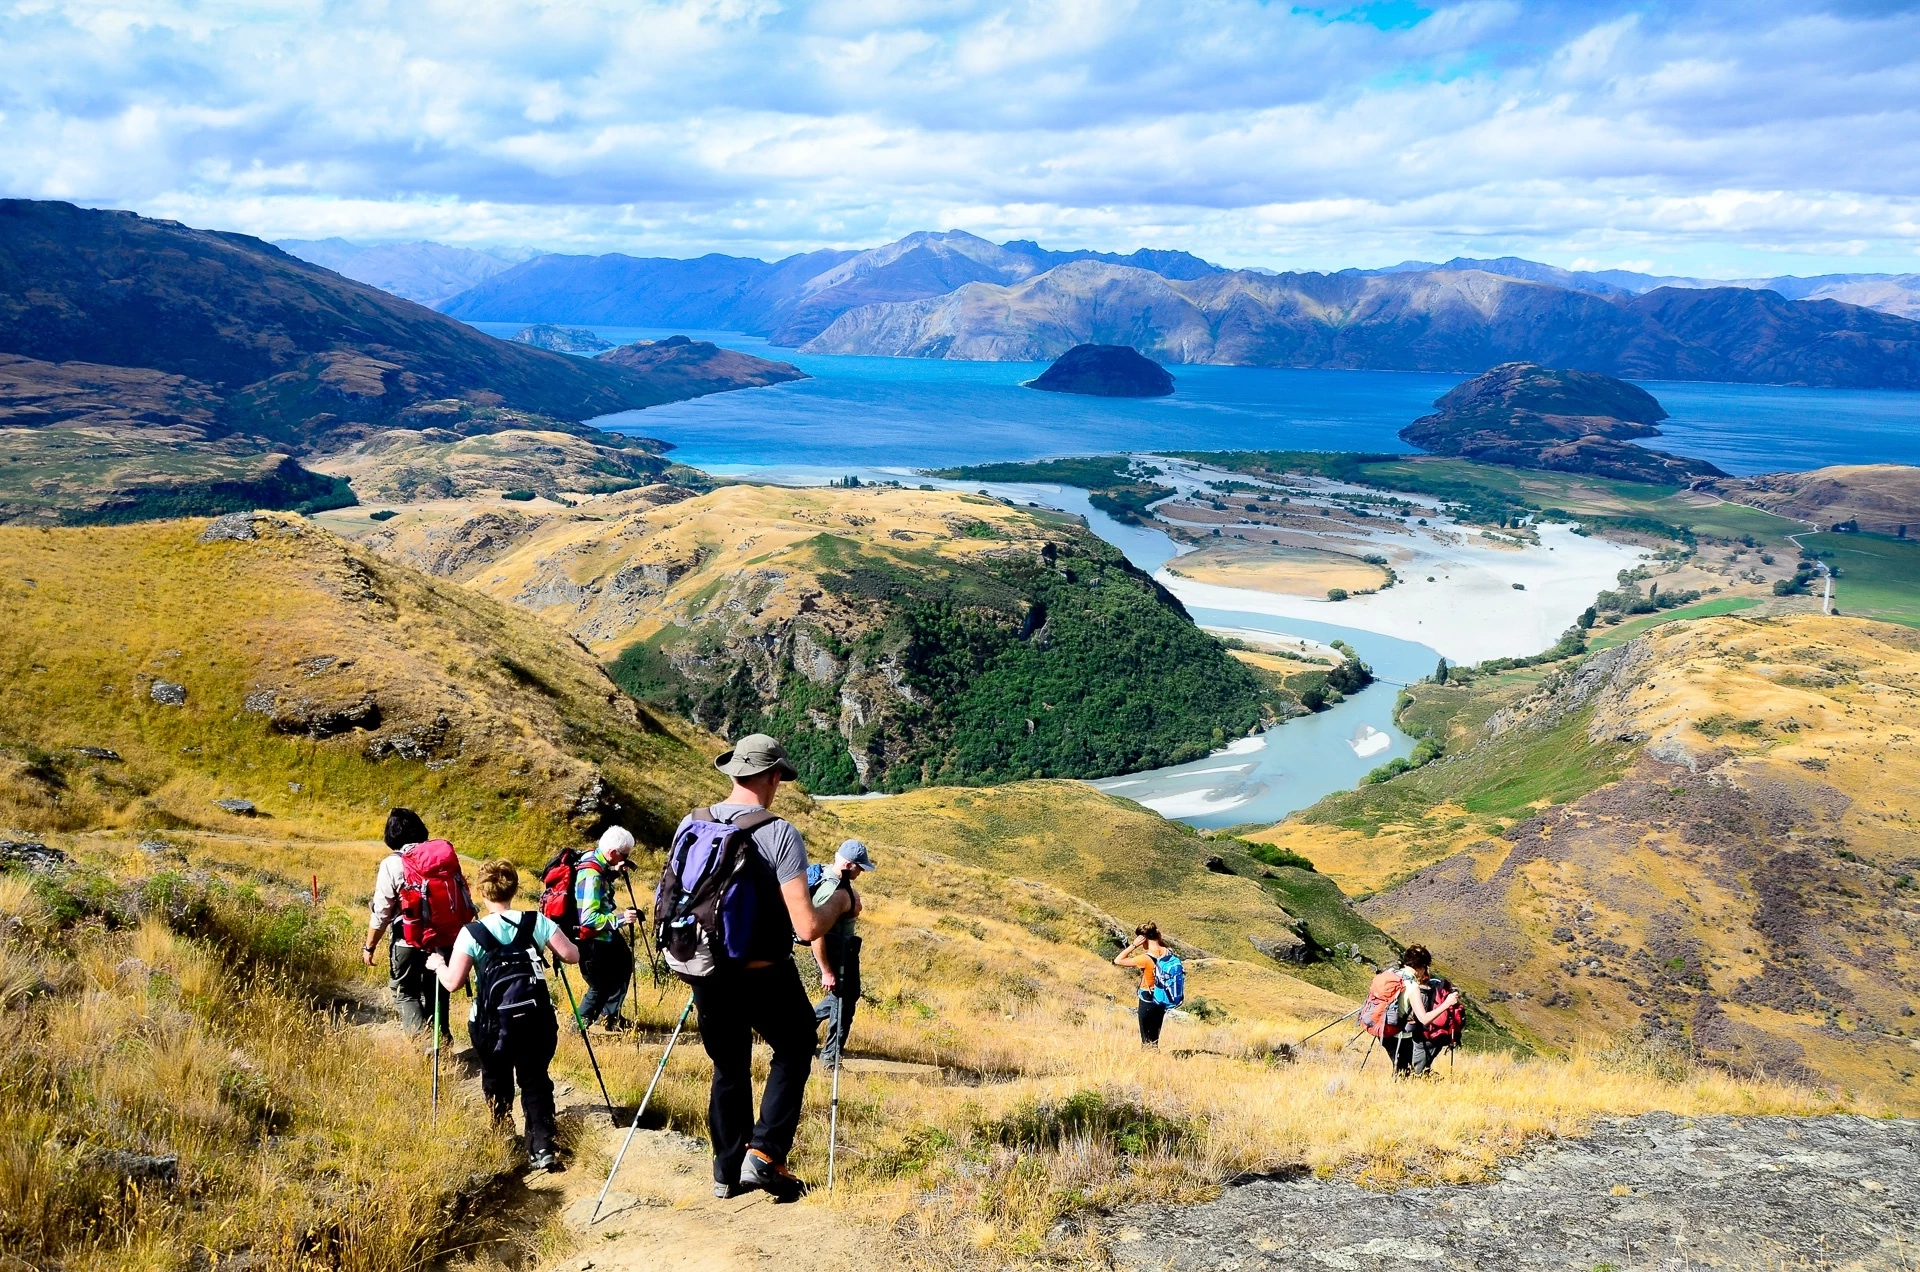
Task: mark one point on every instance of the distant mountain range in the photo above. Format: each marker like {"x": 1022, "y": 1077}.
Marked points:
{"x": 149, "y": 368}
{"x": 956, "y": 295}
{"x": 789, "y": 301}
{"x": 426, "y": 273}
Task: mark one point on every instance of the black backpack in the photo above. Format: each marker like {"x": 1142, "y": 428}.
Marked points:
{"x": 511, "y": 983}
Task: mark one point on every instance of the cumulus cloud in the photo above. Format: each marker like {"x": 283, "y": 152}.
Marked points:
{"x": 1760, "y": 138}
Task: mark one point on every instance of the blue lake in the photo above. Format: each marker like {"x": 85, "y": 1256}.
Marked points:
{"x": 889, "y": 413}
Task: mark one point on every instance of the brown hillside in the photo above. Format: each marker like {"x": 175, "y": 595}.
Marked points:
{"x": 1744, "y": 889}
{"x": 1882, "y": 498}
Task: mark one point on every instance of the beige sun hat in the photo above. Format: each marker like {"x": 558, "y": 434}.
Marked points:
{"x": 754, "y": 755}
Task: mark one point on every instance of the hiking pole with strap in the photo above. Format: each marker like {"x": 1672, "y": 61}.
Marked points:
{"x": 839, "y": 1054}
{"x": 1330, "y": 1024}
{"x": 574, "y": 1007}
{"x": 637, "y": 938}
{"x": 644, "y": 1101}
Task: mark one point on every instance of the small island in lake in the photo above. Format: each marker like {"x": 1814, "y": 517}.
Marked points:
{"x": 1528, "y": 416}
{"x": 1105, "y": 371}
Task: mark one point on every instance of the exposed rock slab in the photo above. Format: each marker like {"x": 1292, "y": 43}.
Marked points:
{"x": 1654, "y": 1192}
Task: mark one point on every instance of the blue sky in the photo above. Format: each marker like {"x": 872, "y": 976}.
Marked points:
{"x": 1719, "y": 139}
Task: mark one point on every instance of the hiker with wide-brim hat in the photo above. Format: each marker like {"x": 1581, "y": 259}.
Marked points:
{"x": 511, "y": 1024}
{"x": 732, "y": 939}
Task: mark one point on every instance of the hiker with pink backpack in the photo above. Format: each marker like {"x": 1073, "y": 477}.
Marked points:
{"x": 1413, "y": 1013}
{"x": 420, "y": 894}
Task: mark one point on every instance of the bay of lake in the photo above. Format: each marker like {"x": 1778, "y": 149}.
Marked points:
{"x": 889, "y": 417}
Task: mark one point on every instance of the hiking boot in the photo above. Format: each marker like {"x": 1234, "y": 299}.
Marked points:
{"x": 546, "y": 1160}
{"x": 616, "y": 1024}
{"x": 761, "y": 1171}
{"x": 723, "y": 1191}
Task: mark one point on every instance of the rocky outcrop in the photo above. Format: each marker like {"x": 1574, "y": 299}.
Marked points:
{"x": 544, "y": 335}
{"x": 1104, "y": 371}
{"x": 1653, "y": 1192}
{"x": 1529, "y": 416}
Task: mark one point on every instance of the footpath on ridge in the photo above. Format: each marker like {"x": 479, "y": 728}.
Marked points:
{"x": 1653, "y": 1192}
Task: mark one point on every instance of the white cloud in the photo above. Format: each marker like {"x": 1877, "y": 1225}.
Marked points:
{"x": 1769, "y": 138}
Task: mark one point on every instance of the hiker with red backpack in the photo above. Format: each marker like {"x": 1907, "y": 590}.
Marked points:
{"x": 512, "y": 1023}
{"x": 1415, "y": 1014}
{"x": 1163, "y": 979}
{"x": 421, "y": 895}
{"x": 731, "y": 900}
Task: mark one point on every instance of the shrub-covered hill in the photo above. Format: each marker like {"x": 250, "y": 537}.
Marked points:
{"x": 892, "y": 637}
{"x": 1701, "y": 840}
{"x": 151, "y": 671}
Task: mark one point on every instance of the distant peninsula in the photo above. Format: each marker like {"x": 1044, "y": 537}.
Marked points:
{"x": 1105, "y": 371}
{"x": 1524, "y": 415}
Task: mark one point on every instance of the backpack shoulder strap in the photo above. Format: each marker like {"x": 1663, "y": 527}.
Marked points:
{"x": 483, "y": 937}
{"x": 753, "y": 819}
{"x": 523, "y": 931}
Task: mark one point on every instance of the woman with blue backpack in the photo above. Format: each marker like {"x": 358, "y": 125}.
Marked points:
{"x": 512, "y": 1025}
{"x": 1163, "y": 979}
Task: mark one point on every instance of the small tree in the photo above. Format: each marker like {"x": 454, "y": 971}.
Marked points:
{"x": 1333, "y": 593}
{"x": 1440, "y": 673}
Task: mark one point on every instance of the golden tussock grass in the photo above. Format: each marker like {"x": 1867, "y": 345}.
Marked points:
{"x": 175, "y": 1087}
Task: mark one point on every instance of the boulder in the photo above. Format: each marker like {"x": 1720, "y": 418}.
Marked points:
{"x": 238, "y": 807}
{"x": 95, "y": 752}
{"x": 326, "y": 719}
{"x": 32, "y": 855}
{"x": 1282, "y": 947}
{"x": 237, "y": 526}
{"x": 168, "y": 694}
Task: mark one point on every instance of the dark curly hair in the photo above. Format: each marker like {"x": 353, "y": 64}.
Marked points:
{"x": 1417, "y": 956}
{"x": 1151, "y": 931}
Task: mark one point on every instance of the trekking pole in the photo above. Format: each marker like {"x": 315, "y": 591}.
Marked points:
{"x": 1330, "y": 1024}
{"x": 574, "y": 1007}
{"x": 436, "y": 1053}
{"x": 839, "y": 1054}
{"x": 635, "y": 940}
{"x": 644, "y": 1101}
{"x": 653, "y": 964}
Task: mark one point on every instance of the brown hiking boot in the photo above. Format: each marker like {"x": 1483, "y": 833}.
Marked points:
{"x": 761, "y": 1171}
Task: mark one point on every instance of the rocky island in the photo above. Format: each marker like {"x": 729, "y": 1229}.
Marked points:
{"x": 544, "y": 335}
{"x": 1524, "y": 415}
{"x": 1105, "y": 371}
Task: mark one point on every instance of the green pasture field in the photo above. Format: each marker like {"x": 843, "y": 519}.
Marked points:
{"x": 1603, "y": 637}
{"x": 1879, "y": 575}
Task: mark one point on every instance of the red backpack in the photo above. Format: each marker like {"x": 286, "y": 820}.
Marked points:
{"x": 558, "y": 901}
{"x": 1447, "y": 1028}
{"x": 1380, "y": 1014}
{"x": 434, "y": 903}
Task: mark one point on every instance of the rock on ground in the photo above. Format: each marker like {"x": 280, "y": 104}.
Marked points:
{"x": 1655, "y": 1192}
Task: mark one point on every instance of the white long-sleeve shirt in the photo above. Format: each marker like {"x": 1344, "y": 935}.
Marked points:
{"x": 386, "y": 896}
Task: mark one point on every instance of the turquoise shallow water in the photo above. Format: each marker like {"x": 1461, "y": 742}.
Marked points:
{"x": 912, "y": 412}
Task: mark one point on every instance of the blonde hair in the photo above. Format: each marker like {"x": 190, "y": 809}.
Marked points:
{"x": 498, "y": 881}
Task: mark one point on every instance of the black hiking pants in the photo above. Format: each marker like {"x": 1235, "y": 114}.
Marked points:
{"x": 520, "y": 1052}
{"x": 734, "y": 1006}
{"x": 606, "y": 964}
{"x": 1153, "y": 1014}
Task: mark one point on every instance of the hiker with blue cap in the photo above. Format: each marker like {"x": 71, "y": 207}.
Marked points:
{"x": 838, "y": 952}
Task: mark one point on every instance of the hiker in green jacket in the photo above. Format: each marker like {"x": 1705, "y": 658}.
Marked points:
{"x": 606, "y": 957}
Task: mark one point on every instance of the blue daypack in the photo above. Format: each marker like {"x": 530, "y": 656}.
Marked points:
{"x": 1169, "y": 980}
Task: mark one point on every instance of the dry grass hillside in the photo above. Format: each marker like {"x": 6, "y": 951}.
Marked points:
{"x": 150, "y": 673}
{"x": 1879, "y": 498}
{"x": 1702, "y": 839}
{"x": 406, "y": 466}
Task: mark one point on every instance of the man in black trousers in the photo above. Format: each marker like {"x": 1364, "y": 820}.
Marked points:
{"x": 762, "y": 993}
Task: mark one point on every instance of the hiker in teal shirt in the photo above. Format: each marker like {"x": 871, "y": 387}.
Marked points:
{"x": 512, "y": 1025}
